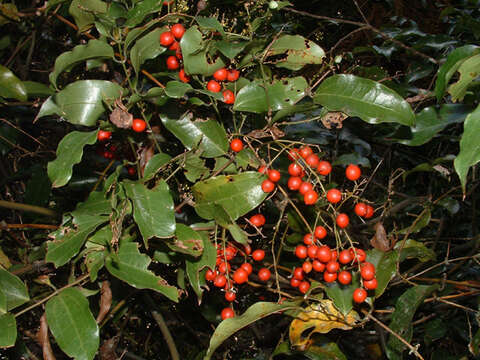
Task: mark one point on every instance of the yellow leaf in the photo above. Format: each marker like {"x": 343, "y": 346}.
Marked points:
{"x": 319, "y": 317}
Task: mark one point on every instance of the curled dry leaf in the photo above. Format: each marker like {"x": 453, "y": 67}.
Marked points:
{"x": 120, "y": 116}
{"x": 42, "y": 337}
{"x": 320, "y": 317}
{"x": 105, "y": 301}
{"x": 333, "y": 119}
{"x": 380, "y": 240}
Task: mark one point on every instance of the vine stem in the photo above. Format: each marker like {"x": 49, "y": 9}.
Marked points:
{"x": 56, "y": 292}
{"x": 26, "y": 207}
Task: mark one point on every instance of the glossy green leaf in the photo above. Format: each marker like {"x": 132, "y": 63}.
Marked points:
{"x": 230, "y": 48}
{"x": 414, "y": 249}
{"x": 194, "y": 166}
{"x": 237, "y": 194}
{"x": 196, "y": 60}
{"x": 83, "y": 12}
{"x": 141, "y": 9}
{"x": 146, "y": 48}
{"x": 186, "y": 241}
{"x": 254, "y": 313}
{"x": 385, "y": 267}
{"x": 446, "y": 71}
{"x": 35, "y": 89}
{"x": 3, "y": 303}
{"x": 8, "y": 333}
{"x": 367, "y": 99}
{"x": 401, "y": 323}
{"x": 94, "y": 261}
{"x": 281, "y": 94}
{"x": 469, "y": 153}
{"x": 132, "y": 267}
{"x": 152, "y": 209}
{"x": 154, "y": 165}
{"x": 14, "y": 291}
{"x": 195, "y": 268}
{"x": 469, "y": 71}
{"x": 177, "y": 89}
{"x": 210, "y": 23}
{"x": 95, "y": 49}
{"x": 297, "y": 52}
{"x": 427, "y": 125}
{"x": 81, "y": 102}
{"x": 69, "y": 153}
{"x": 209, "y": 135}
{"x": 342, "y": 295}
{"x": 11, "y": 87}
{"x": 72, "y": 324}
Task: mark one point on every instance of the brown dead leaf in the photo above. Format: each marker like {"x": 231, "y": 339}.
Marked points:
{"x": 380, "y": 240}
{"x": 120, "y": 116}
{"x": 145, "y": 155}
{"x": 105, "y": 301}
{"x": 334, "y": 119}
{"x": 107, "y": 350}
{"x": 42, "y": 337}
{"x": 319, "y": 317}
{"x": 273, "y": 132}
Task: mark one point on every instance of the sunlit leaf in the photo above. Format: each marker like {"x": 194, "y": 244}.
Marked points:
{"x": 8, "y": 334}
{"x": 11, "y": 87}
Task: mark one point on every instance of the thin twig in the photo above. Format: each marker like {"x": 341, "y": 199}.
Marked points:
{"x": 26, "y": 207}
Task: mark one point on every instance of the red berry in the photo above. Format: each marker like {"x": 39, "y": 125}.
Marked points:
{"x": 273, "y": 175}
{"x": 230, "y": 296}
{"x": 295, "y": 169}
{"x": 310, "y": 197}
{"x": 262, "y": 169}
{"x": 294, "y": 183}
{"x": 213, "y": 86}
{"x": 175, "y": 46}
{"x": 305, "y": 187}
{"x": 183, "y": 77}
{"x": 227, "y": 313}
{"x": 303, "y": 287}
{"x": 324, "y": 254}
{"x": 298, "y": 273}
{"x": 312, "y": 251}
{"x": 345, "y": 257}
{"x": 236, "y": 145}
{"x": 131, "y": 170}
{"x": 367, "y": 270}
{"x": 359, "y": 295}
{"x": 247, "y": 267}
{"x": 233, "y": 75}
{"x": 248, "y": 249}
{"x": 103, "y": 135}
{"x": 220, "y": 74}
{"x": 343, "y": 220}
{"x": 268, "y": 185}
{"x": 324, "y": 168}
{"x": 301, "y": 251}
{"x": 332, "y": 266}
{"x": 257, "y": 220}
{"x": 318, "y": 266}
{"x": 305, "y": 151}
{"x": 334, "y": 255}
{"x": 172, "y": 63}
{"x": 307, "y": 267}
{"x": 329, "y": 277}
{"x": 240, "y": 276}
{"x": 320, "y": 232}
{"x": 264, "y": 274}
{"x": 344, "y": 277}
{"x": 353, "y": 172}
{"x": 177, "y": 30}
{"x": 361, "y": 209}
{"x": 228, "y": 97}
{"x": 138, "y": 125}
{"x": 220, "y": 281}
{"x": 294, "y": 282}
{"x": 370, "y": 284}
{"x": 178, "y": 54}
{"x": 334, "y": 196}
{"x": 293, "y": 154}
{"x": 166, "y": 38}
{"x": 370, "y": 212}
{"x": 229, "y": 253}
{"x": 361, "y": 255}
{"x": 308, "y": 239}
{"x": 258, "y": 255}
{"x": 312, "y": 160}
{"x": 223, "y": 266}
{"x": 210, "y": 275}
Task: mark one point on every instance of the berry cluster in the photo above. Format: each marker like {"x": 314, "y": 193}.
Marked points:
{"x": 220, "y": 75}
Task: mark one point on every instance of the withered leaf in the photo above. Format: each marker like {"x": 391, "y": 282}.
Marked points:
{"x": 380, "y": 240}
{"x": 120, "y": 116}
{"x": 334, "y": 119}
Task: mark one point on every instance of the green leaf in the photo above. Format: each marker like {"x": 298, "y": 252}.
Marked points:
{"x": 237, "y": 194}
{"x": 141, "y": 9}
{"x": 446, "y": 71}
{"x": 187, "y": 241}
{"x": 298, "y": 50}
{"x": 259, "y": 98}
{"x": 3, "y": 303}
{"x": 469, "y": 71}
{"x": 385, "y": 267}
{"x": 152, "y": 209}
{"x": 414, "y": 249}
{"x": 148, "y": 47}
{"x": 196, "y": 60}
{"x": 206, "y": 260}
{"x": 72, "y": 324}
{"x": 11, "y": 87}
{"x": 13, "y": 289}
{"x": 367, "y": 99}
{"x": 401, "y": 323}
{"x": 154, "y": 165}
{"x": 132, "y": 267}
{"x": 95, "y": 49}
{"x": 8, "y": 335}
{"x": 322, "y": 349}
{"x": 230, "y": 326}
{"x": 208, "y": 133}
{"x": 230, "y": 48}
{"x": 81, "y": 102}
{"x": 69, "y": 153}
{"x": 194, "y": 167}
{"x": 469, "y": 153}
{"x": 83, "y": 12}
{"x": 210, "y": 23}
{"x": 94, "y": 261}
{"x": 177, "y": 89}
{"x": 35, "y": 89}
{"x": 342, "y": 295}
{"x": 10, "y": 11}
